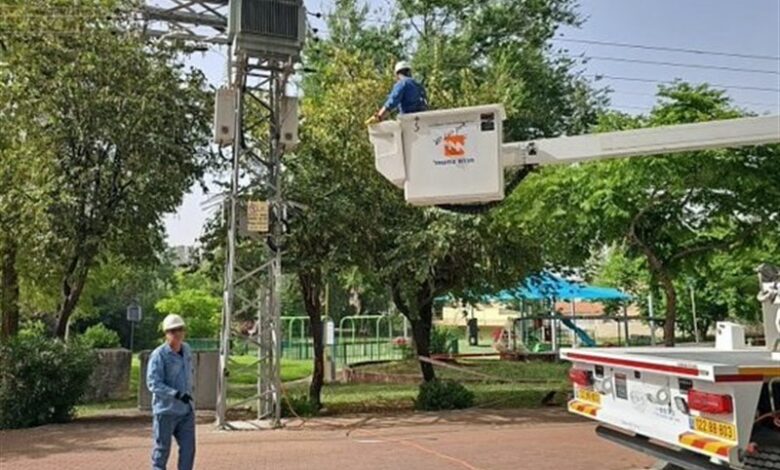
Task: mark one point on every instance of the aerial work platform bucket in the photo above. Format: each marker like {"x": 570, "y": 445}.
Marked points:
{"x": 450, "y": 156}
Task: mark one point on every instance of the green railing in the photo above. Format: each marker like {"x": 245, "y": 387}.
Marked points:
{"x": 203, "y": 344}
{"x": 367, "y": 349}
{"x": 358, "y": 338}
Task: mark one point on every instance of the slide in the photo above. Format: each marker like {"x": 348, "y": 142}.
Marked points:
{"x": 586, "y": 340}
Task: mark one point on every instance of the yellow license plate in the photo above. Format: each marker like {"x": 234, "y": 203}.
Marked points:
{"x": 589, "y": 396}
{"x": 725, "y": 431}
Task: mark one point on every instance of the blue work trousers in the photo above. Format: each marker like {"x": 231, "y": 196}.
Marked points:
{"x": 182, "y": 427}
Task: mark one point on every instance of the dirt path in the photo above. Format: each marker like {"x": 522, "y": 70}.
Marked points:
{"x": 543, "y": 439}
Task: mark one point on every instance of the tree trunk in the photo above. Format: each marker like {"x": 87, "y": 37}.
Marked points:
{"x": 311, "y": 287}
{"x": 661, "y": 272}
{"x": 71, "y": 293}
{"x": 421, "y": 330}
{"x": 9, "y": 290}
{"x": 422, "y": 323}
{"x": 671, "y": 307}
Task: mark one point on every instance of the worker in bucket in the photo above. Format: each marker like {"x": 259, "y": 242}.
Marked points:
{"x": 407, "y": 95}
{"x": 169, "y": 378}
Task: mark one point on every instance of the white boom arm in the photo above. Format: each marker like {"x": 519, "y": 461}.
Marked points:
{"x": 639, "y": 142}
{"x": 457, "y": 156}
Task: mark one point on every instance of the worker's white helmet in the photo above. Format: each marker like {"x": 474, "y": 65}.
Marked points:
{"x": 402, "y": 65}
{"x": 172, "y": 321}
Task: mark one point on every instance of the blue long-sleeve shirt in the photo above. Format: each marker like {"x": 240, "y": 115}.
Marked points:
{"x": 169, "y": 372}
{"x": 408, "y": 96}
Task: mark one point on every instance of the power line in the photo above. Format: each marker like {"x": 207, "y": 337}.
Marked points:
{"x": 735, "y": 102}
{"x": 668, "y": 49}
{"x": 677, "y": 64}
{"x": 650, "y": 80}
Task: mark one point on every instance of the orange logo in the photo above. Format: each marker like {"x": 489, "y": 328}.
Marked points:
{"x": 454, "y": 145}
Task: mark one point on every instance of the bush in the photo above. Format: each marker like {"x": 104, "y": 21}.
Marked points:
{"x": 298, "y": 406}
{"x": 100, "y": 337}
{"x": 41, "y": 380}
{"x": 440, "y": 340}
{"x": 443, "y": 395}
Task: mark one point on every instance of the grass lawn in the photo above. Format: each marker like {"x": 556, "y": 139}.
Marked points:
{"x": 526, "y": 384}
{"x": 244, "y": 369}
{"x": 476, "y": 370}
{"x": 243, "y": 381}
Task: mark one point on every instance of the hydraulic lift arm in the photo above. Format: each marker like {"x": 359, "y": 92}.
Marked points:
{"x": 455, "y": 159}
{"x": 638, "y": 142}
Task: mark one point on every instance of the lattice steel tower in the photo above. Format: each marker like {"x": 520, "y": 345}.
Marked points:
{"x": 253, "y": 116}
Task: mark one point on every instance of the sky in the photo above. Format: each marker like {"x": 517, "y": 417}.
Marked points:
{"x": 731, "y": 28}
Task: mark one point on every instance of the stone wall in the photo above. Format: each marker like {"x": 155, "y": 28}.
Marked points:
{"x": 110, "y": 380}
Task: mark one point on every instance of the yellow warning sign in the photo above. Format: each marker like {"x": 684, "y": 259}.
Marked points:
{"x": 257, "y": 216}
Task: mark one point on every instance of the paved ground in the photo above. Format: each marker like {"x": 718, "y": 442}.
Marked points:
{"x": 539, "y": 440}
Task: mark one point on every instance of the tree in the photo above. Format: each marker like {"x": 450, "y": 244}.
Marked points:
{"x": 196, "y": 303}
{"x": 420, "y": 254}
{"x": 122, "y": 127}
{"x": 23, "y": 179}
{"x": 113, "y": 284}
{"x": 670, "y": 210}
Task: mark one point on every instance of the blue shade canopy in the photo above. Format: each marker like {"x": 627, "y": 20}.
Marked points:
{"x": 549, "y": 286}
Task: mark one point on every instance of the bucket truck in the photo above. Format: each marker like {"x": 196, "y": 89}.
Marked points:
{"x": 698, "y": 408}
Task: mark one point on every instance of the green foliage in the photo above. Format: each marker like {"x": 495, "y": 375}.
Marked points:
{"x": 466, "y": 52}
{"x": 100, "y": 337}
{"x": 438, "y": 395}
{"x": 115, "y": 132}
{"x": 116, "y": 282}
{"x": 298, "y": 405}
{"x": 33, "y": 329}
{"x": 672, "y": 211}
{"x": 195, "y": 302}
{"x": 441, "y": 337}
{"x": 41, "y": 380}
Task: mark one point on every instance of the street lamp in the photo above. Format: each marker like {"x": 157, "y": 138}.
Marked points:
{"x": 134, "y": 315}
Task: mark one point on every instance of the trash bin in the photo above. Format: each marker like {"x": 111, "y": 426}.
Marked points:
{"x": 473, "y": 330}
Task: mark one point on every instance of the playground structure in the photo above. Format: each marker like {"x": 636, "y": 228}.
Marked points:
{"x": 539, "y": 332}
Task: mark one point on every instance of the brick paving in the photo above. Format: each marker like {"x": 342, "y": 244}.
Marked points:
{"x": 539, "y": 440}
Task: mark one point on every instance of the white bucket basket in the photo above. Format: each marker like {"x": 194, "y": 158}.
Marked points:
{"x": 450, "y": 156}
{"x": 388, "y": 151}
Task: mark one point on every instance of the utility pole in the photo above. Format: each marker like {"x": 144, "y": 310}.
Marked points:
{"x": 259, "y": 72}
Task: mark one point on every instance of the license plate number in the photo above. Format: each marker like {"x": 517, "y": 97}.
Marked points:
{"x": 715, "y": 428}
{"x": 589, "y": 396}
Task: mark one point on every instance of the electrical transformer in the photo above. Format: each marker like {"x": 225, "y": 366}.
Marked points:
{"x": 267, "y": 28}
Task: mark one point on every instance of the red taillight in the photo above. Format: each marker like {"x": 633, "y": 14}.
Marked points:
{"x": 583, "y": 378}
{"x": 710, "y": 402}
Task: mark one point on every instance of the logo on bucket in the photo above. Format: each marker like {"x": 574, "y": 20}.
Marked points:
{"x": 454, "y": 145}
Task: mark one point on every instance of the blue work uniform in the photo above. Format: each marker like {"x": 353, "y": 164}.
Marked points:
{"x": 169, "y": 373}
{"x": 408, "y": 96}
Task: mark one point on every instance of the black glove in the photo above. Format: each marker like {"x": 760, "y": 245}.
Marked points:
{"x": 184, "y": 397}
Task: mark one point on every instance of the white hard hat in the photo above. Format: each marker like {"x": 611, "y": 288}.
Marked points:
{"x": 172, "y": 321}
{"x": 402, "y": 65}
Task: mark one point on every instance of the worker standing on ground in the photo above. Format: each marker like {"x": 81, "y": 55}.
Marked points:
{"x": 169, "y": 378}
{"x": 407, "y": 95}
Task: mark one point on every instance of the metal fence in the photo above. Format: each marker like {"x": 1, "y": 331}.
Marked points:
{"x": 358, "y": 338}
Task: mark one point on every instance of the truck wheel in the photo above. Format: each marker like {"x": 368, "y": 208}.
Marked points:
{"x": 765, "y": 458}
{"x": 660, "y": 465}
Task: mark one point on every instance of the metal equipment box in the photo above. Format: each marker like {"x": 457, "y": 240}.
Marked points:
{"x": 224, "y": 116}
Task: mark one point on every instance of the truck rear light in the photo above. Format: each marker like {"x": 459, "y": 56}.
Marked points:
{"x": 583, "y": 378}
{"x": 710, "y": 402}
